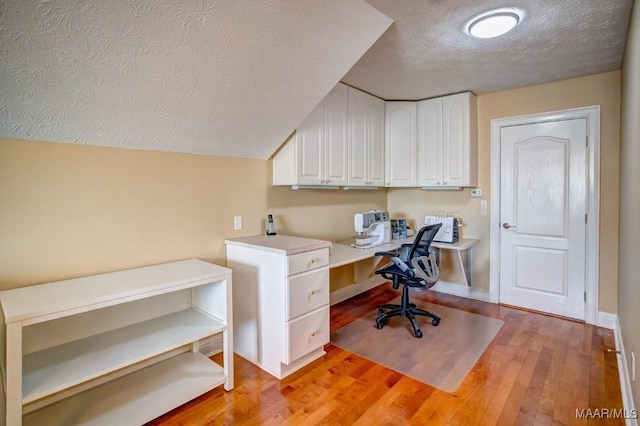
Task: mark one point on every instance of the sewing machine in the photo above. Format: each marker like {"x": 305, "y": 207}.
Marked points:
{"x": 373, "y": 228}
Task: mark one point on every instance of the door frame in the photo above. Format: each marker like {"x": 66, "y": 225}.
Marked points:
{"x": 592, "y": 115}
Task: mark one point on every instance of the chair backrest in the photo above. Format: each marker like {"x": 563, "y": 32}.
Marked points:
{"x": 423, "y": 241}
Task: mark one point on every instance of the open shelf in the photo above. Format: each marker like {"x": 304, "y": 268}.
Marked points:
{"x": 135, "y": 398}
{"x": 116, "y": 348}
{"x": 52, "y": 370}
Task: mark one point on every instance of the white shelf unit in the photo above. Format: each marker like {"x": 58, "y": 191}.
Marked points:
{"x": 115, "y": 348}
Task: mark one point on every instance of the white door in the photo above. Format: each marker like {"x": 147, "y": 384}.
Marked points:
{"x": 543, "y": 214}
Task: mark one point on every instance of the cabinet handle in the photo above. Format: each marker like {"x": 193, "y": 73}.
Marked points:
{"x": 314, "y": 292}
{"x": 312, "y": 334}
{"x": 311, "y": 262}
{"x": 444, "y": 183}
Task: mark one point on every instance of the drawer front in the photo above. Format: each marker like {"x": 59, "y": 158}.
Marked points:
{"x": 307, "y": 333}
{"x": 307, "y": 292}
{"x": 308, "y": 260}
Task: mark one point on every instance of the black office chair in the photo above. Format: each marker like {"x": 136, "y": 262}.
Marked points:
{"x": 414, "y": 265}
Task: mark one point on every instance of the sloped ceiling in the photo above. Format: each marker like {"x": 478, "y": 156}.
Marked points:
{"x": 230, "y": 78}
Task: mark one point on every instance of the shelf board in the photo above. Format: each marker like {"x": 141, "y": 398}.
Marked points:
{"x": 44, "y": 302}
{"x": 136, "y": 398}
{"x": 61, "y": 367}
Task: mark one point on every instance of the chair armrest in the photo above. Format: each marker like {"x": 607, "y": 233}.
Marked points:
{"x": 398, "y": 261}
{"x": 387, "y": 254}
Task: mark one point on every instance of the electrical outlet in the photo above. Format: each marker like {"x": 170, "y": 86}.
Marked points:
{"x": 237, "y": 223}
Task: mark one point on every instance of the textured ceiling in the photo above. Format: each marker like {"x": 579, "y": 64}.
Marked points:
{"x": 235, "y": 77}
{"x": 230, "y": 78}
{"x": 425, "y": 53}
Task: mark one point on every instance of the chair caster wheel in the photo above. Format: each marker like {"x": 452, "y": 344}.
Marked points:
{"x": 435, "y": 322}
{"x": 379, "y": 325}
{"x": 419, "y": 334}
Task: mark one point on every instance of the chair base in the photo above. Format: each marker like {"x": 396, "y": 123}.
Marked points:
{"x": 406, "y": 309}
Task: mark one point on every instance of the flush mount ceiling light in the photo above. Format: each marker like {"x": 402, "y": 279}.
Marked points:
{"x": 494, "y": 23}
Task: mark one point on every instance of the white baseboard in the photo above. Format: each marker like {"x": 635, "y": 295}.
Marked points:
{"x": 212, "y": 345}
{"x": 442, "y": 287}
{"x": 607, "y": 320}
{"x": 623, "y": 372}
{"x": 462, "y": 290}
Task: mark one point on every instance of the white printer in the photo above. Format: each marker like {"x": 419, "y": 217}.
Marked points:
{"x": 449, "y": 232}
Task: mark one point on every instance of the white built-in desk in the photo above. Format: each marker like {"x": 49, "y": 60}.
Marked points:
{"x": 115, "y": 348}
{"x": 342, "y": 253}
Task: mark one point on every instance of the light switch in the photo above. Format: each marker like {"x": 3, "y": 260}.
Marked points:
{"x": 237, "y": 223}
{"x": 483, "y": 207}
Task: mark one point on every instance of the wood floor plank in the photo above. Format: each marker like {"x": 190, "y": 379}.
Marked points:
{"x": 538, "y": 370}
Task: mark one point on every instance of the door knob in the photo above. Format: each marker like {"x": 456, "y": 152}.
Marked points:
{"x": 507, "y": 226}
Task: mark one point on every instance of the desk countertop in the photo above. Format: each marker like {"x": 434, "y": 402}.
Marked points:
{"x": 284, "y": 244}
{"x": 343, "y": 254}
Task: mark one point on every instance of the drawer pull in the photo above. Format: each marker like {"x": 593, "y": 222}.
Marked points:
{"x": 312, "y": 334}
{"x": 311, "y": 262}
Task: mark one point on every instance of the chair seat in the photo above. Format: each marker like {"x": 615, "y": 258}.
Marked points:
{"x": 390, "y": 271}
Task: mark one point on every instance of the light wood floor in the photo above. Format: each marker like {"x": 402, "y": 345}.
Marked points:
{"x": 538, "y": 371}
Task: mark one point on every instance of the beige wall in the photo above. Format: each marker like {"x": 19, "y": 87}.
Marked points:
{"x": 629, "y": 291}
{"x": 603, "y": 90}
{"x": 72, "y": 210}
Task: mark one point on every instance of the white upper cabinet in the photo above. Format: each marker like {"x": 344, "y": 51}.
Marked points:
{"x": 353, "y": 139}
{"x": 447, "y": 141}
{"x": 366, "y": 140}
{"x": 401, "y": 164}
{"x": 316, "y": 155}
{"x": 335, "y": 138}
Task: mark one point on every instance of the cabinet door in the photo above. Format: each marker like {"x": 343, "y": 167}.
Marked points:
{"x": 430, "y": 142}
{"x": 309, "y": 148}
{"x": 459, "y": 156}
{"x": 400, "y": 144}
{"x": 366, "y": 139}
{"x": 375, "y": 142}
{"x": 335, "y": 136}
{"x": 358, "y": 129}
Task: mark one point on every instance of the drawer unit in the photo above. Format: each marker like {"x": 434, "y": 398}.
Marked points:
{"x": 307, "y": 261}
{"x": 307, "y": 333}
{"x": 281, "y": 302}
{"x": 306, "y": 292}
